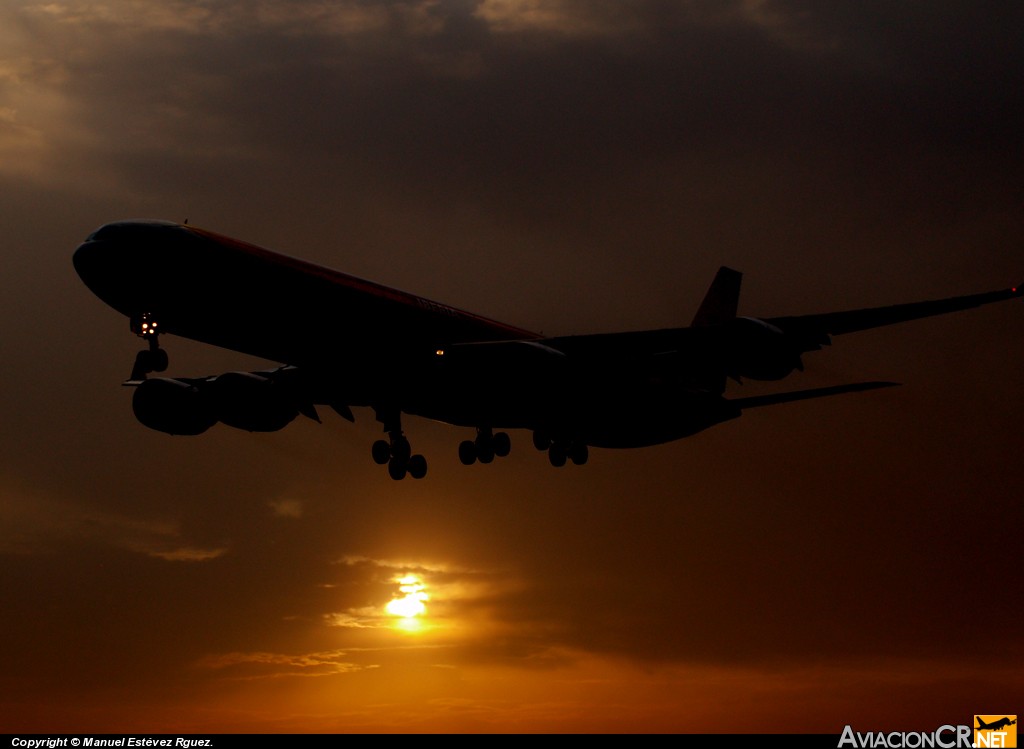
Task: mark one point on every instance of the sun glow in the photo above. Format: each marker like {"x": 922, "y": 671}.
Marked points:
{"x": 411, "y": 605}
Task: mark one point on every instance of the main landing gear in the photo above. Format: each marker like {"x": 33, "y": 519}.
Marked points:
{"x": 485, "y": 448}
{"x": 154, "y": 358}
{"x": 561, "y": 450}
{"x": 396, "y": 450}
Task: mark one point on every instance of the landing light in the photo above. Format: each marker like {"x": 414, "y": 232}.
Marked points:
{"x": 144, "y": 325}
{"x": 440, "y": 352}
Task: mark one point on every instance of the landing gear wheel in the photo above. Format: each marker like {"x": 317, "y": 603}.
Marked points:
{"x": 502, "y": 444}
{"x": 401, "y": 450}
{"x": 486, "y": 447}
{"x": 541, "y": 441}
{"x": 149, "y": 360}
{"x": 484, "y": 450}
{"x": 557, "y": 455}
{"x": 417, "y": 466}
{"x": 397, "y": 469}
{"x": 143, "y": 363}
{"x": 579, "y": 453}
{"x": 467, "y": 452}
{"x": 381, "y": 452}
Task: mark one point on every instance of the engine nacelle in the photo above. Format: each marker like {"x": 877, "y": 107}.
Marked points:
{"x": 249, "y": 401}
{"x": 759, "y": 351}
{"x": 172, "y": 406}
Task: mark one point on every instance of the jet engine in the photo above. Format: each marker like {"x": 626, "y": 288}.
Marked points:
{"x": 172, "y": 406}
{"x": 759, "y": 351}
{"x": 250, "y": 401}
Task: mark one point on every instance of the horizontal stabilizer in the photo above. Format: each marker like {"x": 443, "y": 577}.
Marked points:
{"x": 798, "y": 395}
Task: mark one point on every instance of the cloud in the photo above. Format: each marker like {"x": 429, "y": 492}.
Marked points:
{"x": 405, "y": 102}
{"x": 450, "y": 590}
{"x": 30, "y": 98}
{"x": 263, "y": 665}
{"x": 472, "y": 616}
{"x": 31, "y": 523}
{"x": 569, "y": 18}
{"x": 287, "y": 508}
{"x": 241, "y": 17}
{"x": 184, "y": 554}
{"x": 366, "y": 617}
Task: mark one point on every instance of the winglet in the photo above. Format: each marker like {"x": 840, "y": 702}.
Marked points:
{"x": 721, "y": 301}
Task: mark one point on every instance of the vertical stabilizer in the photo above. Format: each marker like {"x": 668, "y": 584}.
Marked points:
{"x": 719, "y": 306}
{"x": 722, "y": 299}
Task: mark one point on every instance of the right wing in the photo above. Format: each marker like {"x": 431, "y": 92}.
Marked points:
{"x": 717, "y": 346}
{"x": 814, "y": 330}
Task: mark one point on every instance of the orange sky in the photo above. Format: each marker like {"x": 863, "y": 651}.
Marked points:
{"x": 567, "y": 167}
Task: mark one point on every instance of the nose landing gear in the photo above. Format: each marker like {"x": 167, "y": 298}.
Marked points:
{"x": 154, "y": 358}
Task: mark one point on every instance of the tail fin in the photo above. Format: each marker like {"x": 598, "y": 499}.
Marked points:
{"x": 722, "y": 299}
{"x": 719, "y": 306}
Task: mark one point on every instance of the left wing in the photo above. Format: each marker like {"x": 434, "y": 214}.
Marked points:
{"x": 756, "y": 401}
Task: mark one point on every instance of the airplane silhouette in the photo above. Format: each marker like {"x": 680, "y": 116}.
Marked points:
{"x": 995, "y": 725}
{"x": 346, "y": 342}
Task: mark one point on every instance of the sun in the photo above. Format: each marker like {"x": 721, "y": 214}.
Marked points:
{"x": 411, "y": 605}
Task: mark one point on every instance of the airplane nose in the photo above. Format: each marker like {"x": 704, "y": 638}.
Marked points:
{"x": 88, "y": 259}
{"x": 93, "y": 258}
{"x": 120, "y": 252}
{"x": 103, "y": 269}
{"x": 129, "y": 264}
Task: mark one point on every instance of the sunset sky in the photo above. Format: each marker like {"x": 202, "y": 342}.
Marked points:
{"x": 562, "y": 166}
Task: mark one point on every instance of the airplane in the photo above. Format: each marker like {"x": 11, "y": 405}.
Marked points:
{"x": 995, "y": 725}
{"x": 344, "y": 342}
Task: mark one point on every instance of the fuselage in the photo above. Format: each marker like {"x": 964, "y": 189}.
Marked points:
{"x": 228, "y": 293}
{"x": 365, "y": 344}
